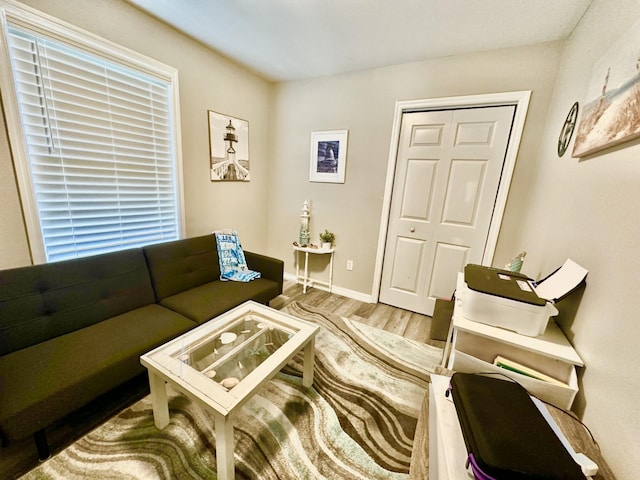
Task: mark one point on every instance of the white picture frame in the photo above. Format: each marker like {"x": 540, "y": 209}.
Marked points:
{"x": 328, "y": 156}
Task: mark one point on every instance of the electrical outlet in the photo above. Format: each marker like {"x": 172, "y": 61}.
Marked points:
{"x": 349, "y": 265}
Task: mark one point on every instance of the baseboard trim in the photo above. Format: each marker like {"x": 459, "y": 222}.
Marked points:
{"x": 345, "y": 292}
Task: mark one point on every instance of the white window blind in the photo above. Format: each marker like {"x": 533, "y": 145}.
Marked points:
{"x": 99, "y": 140}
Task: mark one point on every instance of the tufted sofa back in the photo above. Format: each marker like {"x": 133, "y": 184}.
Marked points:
{"x": 40, "y": 302}
{"x": 182, "y": 264}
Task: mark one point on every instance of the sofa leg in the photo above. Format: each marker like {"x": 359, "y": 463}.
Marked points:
{"x": 40, "y": 438}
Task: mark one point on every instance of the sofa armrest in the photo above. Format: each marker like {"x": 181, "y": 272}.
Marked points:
{"x": 270, "y": 267}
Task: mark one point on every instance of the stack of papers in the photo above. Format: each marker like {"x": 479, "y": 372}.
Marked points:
{"x": 561, "y": 282}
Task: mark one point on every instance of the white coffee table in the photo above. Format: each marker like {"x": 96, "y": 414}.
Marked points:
{"x": 224, "y": 361}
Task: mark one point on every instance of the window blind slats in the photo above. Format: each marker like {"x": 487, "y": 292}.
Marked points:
{"x": 99, "y": 140}
{"x": 68, "y": 63}
{"x": 71, "y": 118}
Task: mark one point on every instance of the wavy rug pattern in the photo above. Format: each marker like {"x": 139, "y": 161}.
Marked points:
{"x": 357, "y": 422}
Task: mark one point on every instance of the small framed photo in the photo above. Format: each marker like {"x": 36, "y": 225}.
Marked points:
{"x": 228, "y": 148}
{"x": 328, "y": 156}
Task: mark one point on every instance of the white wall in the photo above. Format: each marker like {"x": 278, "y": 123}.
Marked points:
{"x": 208, "y": 81}
{"x": 588, "y": 210}
{"x": 364, "y": 104}
{"x": 14, "y": 249}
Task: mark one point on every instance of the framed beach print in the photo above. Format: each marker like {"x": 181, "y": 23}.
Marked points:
{"x": 228, "y": 148}
{"x": 611, "y": 112}
{"x": 328, "y": 156}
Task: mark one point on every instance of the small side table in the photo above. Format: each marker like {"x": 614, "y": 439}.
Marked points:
{"x": 306, "y": 280}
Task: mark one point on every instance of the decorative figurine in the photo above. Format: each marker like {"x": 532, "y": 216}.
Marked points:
{"x": 304, "y": 225}
{"x": 516, "y": 264}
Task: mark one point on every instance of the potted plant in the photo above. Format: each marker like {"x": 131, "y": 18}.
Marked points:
{"x": 327, "y": 238}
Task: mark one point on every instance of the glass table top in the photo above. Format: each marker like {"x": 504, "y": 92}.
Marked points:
{"x": 228, "y": 356}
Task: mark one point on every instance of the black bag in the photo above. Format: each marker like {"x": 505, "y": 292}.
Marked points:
{"x": 505, "y": 434}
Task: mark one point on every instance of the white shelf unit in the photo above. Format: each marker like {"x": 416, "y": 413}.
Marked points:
{"x": 474, "y": 346}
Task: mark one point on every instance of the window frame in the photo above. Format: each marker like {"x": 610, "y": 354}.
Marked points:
{"x": 26, "y": 17}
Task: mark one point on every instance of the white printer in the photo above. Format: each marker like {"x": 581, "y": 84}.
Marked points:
{"x": 512, "y": 301}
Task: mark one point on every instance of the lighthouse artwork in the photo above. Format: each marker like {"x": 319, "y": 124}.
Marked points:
{"x": 328, "y": 156}
{"x": 611, "y": 112}
{"x": 228, "y": 148}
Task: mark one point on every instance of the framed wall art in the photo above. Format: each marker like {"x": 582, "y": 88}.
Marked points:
{"x": 228, "y": 148}
{"x": 611, "y": 112}
{"x": 328, "y": 156}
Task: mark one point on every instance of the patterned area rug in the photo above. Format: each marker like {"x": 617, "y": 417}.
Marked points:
{"x": 357, "y": 422}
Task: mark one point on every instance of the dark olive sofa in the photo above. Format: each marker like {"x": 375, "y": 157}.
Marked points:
{"x": 186, "y": 278}
{"x": 71, "y": 331}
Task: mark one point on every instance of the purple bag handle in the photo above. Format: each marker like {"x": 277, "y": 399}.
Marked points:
{"x": 475, "y": 468}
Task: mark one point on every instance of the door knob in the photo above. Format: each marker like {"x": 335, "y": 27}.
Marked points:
{"x": 412, "y": 229}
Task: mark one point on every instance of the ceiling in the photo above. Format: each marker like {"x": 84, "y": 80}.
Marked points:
{"x": 297, "y": 39}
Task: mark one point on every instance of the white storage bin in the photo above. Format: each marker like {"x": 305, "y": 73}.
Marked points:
{"x": 520, "y": 317}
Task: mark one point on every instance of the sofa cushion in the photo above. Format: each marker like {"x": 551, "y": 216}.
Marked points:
{"x": 214, "y": 298}
{"x": 40, "y": 302}
{"x": 182, "y": 264}
{"x": 44, "y": 382}
{"x": 269, "y": 267}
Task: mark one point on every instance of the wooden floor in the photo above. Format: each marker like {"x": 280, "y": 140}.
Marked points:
{"x": 401, "y": 322}
{"x": 19, "y": 457}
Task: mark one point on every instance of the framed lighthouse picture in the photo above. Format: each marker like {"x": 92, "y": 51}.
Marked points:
{"x": 328, "y": 156}
{"x": 228, "y": 148}
{"x": 611, "y": 111}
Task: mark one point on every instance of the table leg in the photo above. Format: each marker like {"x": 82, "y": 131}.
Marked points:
{"x": 331, "y": 272}
{"x": 454, "y": 340}
{"x": 159, "y": 400}
{"x": 306, "y": 272}
{"x": 447, "y": 346}
{"x": 309, "y": 361}
{"x": 224, "y": 448}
